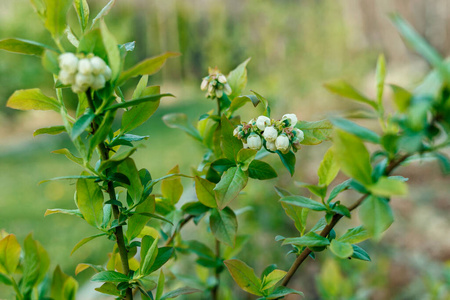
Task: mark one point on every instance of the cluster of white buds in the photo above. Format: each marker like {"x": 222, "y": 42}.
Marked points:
{"x": 83, "y": 71}
{"x": 273, "y": 135}
{"x": 216, "y": 84}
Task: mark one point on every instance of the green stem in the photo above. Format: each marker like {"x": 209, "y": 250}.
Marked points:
{"x": 215, "y": 289}
{"x": 120, "y": 240}
{"x": 16, "y": 288}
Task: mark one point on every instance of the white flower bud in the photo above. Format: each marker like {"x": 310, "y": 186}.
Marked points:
{"x": 204, "y": 85}
{"x": 68, "y": 62}
{"x": 299, "y": 134}
{"x": 262, "y": 122}
{"x": 98, "y": 83}
{"x": 270, "y": 134}
{"x": 254, "y": 142}
{"x": 245, "y": 145}
{"x": 282, "y": 143}
{"x": 237, "y": 131}
{"x": 219, "y": 93}
{"x": 292, "y": 118}
{"x": 107, "y": 73}
{"x": 98, "y": 65}
{"x": 222, "y": 79}
{"x": 79, "y": 89}
{"x": 85, "y": 66}
{"x": 271, "y": 146}
{"x": 66, "y": 78}
{"x": 84, "y": 80}
{"x": 227, "y": 89}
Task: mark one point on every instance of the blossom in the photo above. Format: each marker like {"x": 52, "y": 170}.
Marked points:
{"x": 66, "y": 78}
{"x": 282, "y": 143}
{"x": 68, "y": 62}
{"x": 98, "y": 82}
{"x": 254, "y": 142}
{"x": 290, "y": 118}
{"x": 299, "y": 134}
{"x": 98, "y": 65}
{"x": 270, "y": 134}
{"x": 85, "y": 66}
{"x": 271, "y": 146}
{"x": 262, "y": 122}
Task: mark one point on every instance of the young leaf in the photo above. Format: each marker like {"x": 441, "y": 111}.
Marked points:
{"x": 23, "y": 46}
{"x": 110, "y": 276}
{"x": 380, "y": 76}
{"x": 355, "y": 235}
{"x": 288, "y": 161}
{"x": 112, "y": 50}
{"x": 298, "y": 215}
{"x": 359, "y": 253}
{"x": 53, "y": 130}
{"x": 135, "y": 102}
{"x": 205, "y": 192}
{"x": 179, "y": 292}
{"x": 352, "y": 156}
{"x": 282, "y": 291}
{"x": 56, "y": 12}
{"x": 328, "y": 168}
{"x": 137, "y": 221}
{"x": 9, "y": 254}
{"x": 180, "y": 121}
{"x": 310, "y": 239}
{"x": 272, "y": 278}
{"x": 244, "y": 276}
{"x": 81, "y": 124}
{"x": 32, "y": 99}
{"x": 229, "y": 186}
{"x": 136, "y": 116}
{"x": 171, "y": 188}
{"x": 108, "y": 288}
{"x": 36, "y": 264}
{"x": 85, "y": 241}
{"x": 160, "y": 287}
{"x": 237, "y": 79}
{"x": 261, "y": 170}
{"x": 147, "y": 67}
{"x": 72, "y": 212}
{"x": 315, "y": 132}
{"x": 303, "y": 202}
{"x": 224, "y": 225}
{"x": 344, "y": 89}
{"x": 376, "y": 215}
{"x": 402, "y": 98}
{"x": 105, "y": 10}
{"x": 353, "y": 128}
{"x": 340, "y": 249}
{"x": 230, "y": 144}
{"x": 245, "y": 157}
{"x": 388, "y": 187}
{"x": 90, "y": 201}
{"x": 82, "y": 9}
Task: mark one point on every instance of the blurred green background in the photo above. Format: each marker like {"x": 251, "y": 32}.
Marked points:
{"x": 295, "y": 47}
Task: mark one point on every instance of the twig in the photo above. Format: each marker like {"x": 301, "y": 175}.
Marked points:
{"x": 181, "y": 224}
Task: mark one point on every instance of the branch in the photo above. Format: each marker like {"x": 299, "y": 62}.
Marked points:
{"x": 324, "y": 233}
{"x": 181, "y": 224}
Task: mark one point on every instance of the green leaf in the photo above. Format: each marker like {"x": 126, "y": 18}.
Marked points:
{"x": 5, "y": 280}
{"x": 36, "y": 263}
{"x": 72, "y": 212}
{"x": 245, "y": 157}
{"x": 9, "y": 254}
{"x": 32, "y": 99}
{"x": 116, "y": 159}
{"x": 50, "y": 61}
{"x": 402, "y": 98}
{"x": 388, "y": 187}
{"x": 338, "y": 189}
{"x": 297, "y": 214}
{"x": 82, "y": 9}
{"x": 52, "y": 130}
{"x": 303, "y": 202}
{"x": 328, "y": 168}
{"x": 359, "y": 253}
{"x": 105, "y": 10}
{"x": 81, "y": 124}
{"x": 108, "y": 288}
{"x": 205, "y": 192}
{"x": 171, "y": 188}
{"x": 70, "y": 156}
{"x": 224, "y": 225}
{"x": 353, "y": 128}
{"x": 63, "y": 286}
{"x": 232, "y": 182}
{"x": 222, "y": 164}
{"x": 160, "y": 286}
{"x": 136, "y": 116}
{"x": 84, "y": 241}
{"x": 237, "y": 79}
{"x": 23, "y": 46}
{"x": 110, "y": 276}
{"x": 137, "y": 221}
{"x": 89, "y": 200}
{"x": 144, "y": 99}
{"x": 240, "y": 101}
{"x": 421, "y": 46}
{"x": 179, "y": 292}
{"x": 288, "y": 161}
{"x": 244, "y": 276}
{"x": 344, "y": 89}
{"x": 56, "y": 12}
{"x": 180, "y": 121}
{"x": 149, "y": 253}
{"x": 342, "y": 210}
{"x": 230, "y": 144}
{"x": 92, "y": 42}
{"x": 112, "y": 50}
{"x": 352, "y": 156}
{"x": 282, "y": 291}
{"x": 164, "y": 254}
{"x": 315, "y": 132}
{"x": 261, "y": 170}
{"x": 376, "y": 215}
{"x": 134, "y": 188}
{"x": 341, "y": 249}
{"x": 272, "y": 278}
{"x": 147, "y": 67}
{"x": 310, "y": 239}
{"x": 380, "y": 77}
{"x": 355, "y": 235}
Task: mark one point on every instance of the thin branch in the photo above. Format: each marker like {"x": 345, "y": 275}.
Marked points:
{"x": 181, "y": 224}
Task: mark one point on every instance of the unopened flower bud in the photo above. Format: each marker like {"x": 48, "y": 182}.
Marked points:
{"x": 291, "y": 118}
{"x": 68, "y": 62}
{"x": 282, "y": 143}
{"x": 271, "y": 146}
{"x": 85, "y": 66}
{"x": 237, "y": 132}
{"x": 107, "y": 73}
{"x": 296, "y": 144}
{"x": 219, "y": 93}
{"x": 222, "y": 79}
{"x": 254, "y": 142}
{"x": 299, "y": 134}
{"x": 98, "y": 83}
{"x": 227, "y": 89}
{"x": 270, "y": 134}
{"x": 84, "y": 80}
{"x": 98, "y": 65}
{"x": 204, "y": 84}
{"x": 262, "y": 122}
{"x": 66, "y": 78}
{"x": 77, "y": 89}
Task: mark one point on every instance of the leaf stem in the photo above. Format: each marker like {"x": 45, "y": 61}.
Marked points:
{"x": 104, "y": 153}
{"x": 16, "y": 288}
{"x": 324, "y": 233}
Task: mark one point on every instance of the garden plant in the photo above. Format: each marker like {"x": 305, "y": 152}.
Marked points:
{"x": 116, "y": 197}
